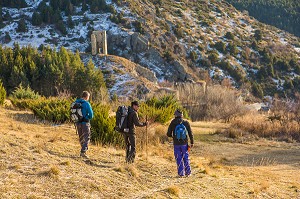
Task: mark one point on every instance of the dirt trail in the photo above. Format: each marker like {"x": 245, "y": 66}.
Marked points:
{"x": 41, "y": 161}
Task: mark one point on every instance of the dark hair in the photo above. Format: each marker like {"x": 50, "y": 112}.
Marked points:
{"x": 85, "y": 94}
{"x": 135, "y": 103}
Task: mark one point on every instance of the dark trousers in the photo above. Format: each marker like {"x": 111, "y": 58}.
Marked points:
{"x": 84, "y": 133}
{"x": 182, "y": 159}
{"x": 130, "y": 147}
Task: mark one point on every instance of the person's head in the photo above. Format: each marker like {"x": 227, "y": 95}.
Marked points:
{"x": 135, "y": 105}
{"x": 178, "y": 113}
{"x": 85, "y": 95}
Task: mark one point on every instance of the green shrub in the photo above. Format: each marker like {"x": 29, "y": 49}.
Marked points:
{"x": 51, "y": 109}
{"x": 2, "y": 93}
{"x": 161, "y": 109}
{"x": 103, "y": 126}
{"x": 24, "y": 93}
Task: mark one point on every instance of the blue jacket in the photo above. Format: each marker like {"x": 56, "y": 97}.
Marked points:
{"x": 87, "y": 110}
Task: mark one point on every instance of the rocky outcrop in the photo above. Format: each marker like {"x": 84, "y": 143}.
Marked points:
{"x": 135, "y": 46}
{"x": 146, "y": 73}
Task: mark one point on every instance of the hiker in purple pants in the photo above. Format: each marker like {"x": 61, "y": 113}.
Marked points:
{"x": 181, "y": 143}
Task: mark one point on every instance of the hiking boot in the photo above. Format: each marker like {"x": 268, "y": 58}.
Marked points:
{"x": 83, "y": 155}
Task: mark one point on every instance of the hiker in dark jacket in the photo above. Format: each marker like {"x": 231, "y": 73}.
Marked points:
{"x": 133, "y": 120}
{"x": 84, "y": 127}
{"x": 181, "y": 152}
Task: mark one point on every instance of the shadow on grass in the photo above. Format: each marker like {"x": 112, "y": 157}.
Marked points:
{"x": 271, "y": 157}
{"x": 234, "y": 153}
{"x": 88, "y": 161}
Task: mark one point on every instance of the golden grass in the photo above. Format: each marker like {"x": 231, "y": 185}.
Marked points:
{"x": 260, "y": 125}
{"x": 27, "y": 157}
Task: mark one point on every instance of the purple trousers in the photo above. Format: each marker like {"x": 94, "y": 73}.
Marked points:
{"x": 182, "y": 159}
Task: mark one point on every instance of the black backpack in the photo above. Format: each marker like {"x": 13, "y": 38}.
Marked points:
{"x": 76, "y": 112}
{"x": 122, "y": 120}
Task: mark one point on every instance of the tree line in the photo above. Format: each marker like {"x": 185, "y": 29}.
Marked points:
{"x": 49, "y": 72}
{"x": 284, "y": 14}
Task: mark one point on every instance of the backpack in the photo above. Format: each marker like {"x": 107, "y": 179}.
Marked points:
{"x": 180, "y": 131}
{"x": 76, "y": 112}
{"x": 121, "y": 119}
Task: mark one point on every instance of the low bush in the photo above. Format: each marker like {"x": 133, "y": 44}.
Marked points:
{"x": 103, "y": 126}
{"x": 24, "y": 93}
{"x": 161, "y": 109}
{"x": 2, "y": 93}
{"x": 51, "y": 109}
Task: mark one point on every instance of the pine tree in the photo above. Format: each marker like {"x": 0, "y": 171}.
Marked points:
{"x": 60, "y": 26}
{"x": 70, "y": 22}
{"x": 7, "y": 37}
{"x": 258, "y": 35}
{"x": 36, "y": 19}
{"x": 22, "y": 26}
{"x": 1, "y": 18}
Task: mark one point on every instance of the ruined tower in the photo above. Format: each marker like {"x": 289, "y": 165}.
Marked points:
{"x": 99, "y": 42}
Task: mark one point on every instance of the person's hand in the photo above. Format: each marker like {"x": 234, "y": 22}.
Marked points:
{"x": 192, "y": 145}
{"x": 146, "y": 123}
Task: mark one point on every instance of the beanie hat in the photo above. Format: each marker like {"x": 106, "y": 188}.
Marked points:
{"x": 178, "y": 113}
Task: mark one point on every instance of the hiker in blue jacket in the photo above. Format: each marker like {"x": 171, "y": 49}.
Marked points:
{"x": 83, "y": 126}
{"x": 181, "y": 152}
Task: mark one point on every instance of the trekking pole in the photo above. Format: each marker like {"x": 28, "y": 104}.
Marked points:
{"x": 76, "y": 132}
{"x": 146, "y": 138}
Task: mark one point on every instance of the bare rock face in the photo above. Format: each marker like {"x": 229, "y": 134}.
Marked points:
{"x": 138, "y": 43}
{"x": 146, "y": 73}
{"x": 135, "y": 47}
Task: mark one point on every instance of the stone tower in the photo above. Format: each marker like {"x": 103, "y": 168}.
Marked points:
{"x": 99, "y": 42}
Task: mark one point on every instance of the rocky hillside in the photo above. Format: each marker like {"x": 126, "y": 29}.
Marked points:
{"x": 176, "y": 40}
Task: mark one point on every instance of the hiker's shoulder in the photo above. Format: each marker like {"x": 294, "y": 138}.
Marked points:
{"x": 186, "y": 122}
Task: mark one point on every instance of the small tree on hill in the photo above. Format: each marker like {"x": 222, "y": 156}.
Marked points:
{"x": 36, "y": 19}
{"x": 61, "y": 27}
{"x": 229, "y": 35}
{"x": 258, "y": 35}
{"x": 70, "y": 22}
{"x": 193, "y": 56}
{"x": 2, "y": 93}
{"x": 7, "y": 37}
{"x": 22, "y": 26}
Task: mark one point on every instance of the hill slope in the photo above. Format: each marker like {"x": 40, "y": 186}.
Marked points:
{"x": 41, "y": 161}
{"x": 282, "y": 14}
{"x": 188, "y": 40}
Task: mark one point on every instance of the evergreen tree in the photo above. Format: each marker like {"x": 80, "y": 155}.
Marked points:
{"x": 258, "y": 35}
{"x": 60, "y": 26}
{"x": 22, "y": 26}
{"x": 36, "y": 19}
{"x": 257, "y": 90}
{"x": 1, "y": 18}
{"x": 70, "y": 22}
{"x": 7, "y": 37}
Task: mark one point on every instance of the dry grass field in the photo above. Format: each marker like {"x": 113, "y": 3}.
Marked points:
{"x": 41, "y": 160}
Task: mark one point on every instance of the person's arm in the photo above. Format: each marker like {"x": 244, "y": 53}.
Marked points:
{"x": 170, "y": 130}
{"x": 136, "y": 120}
{"x": 90, "y": 111}
{"x": 89, "y": 114}
{"x": 188, "y": 128}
